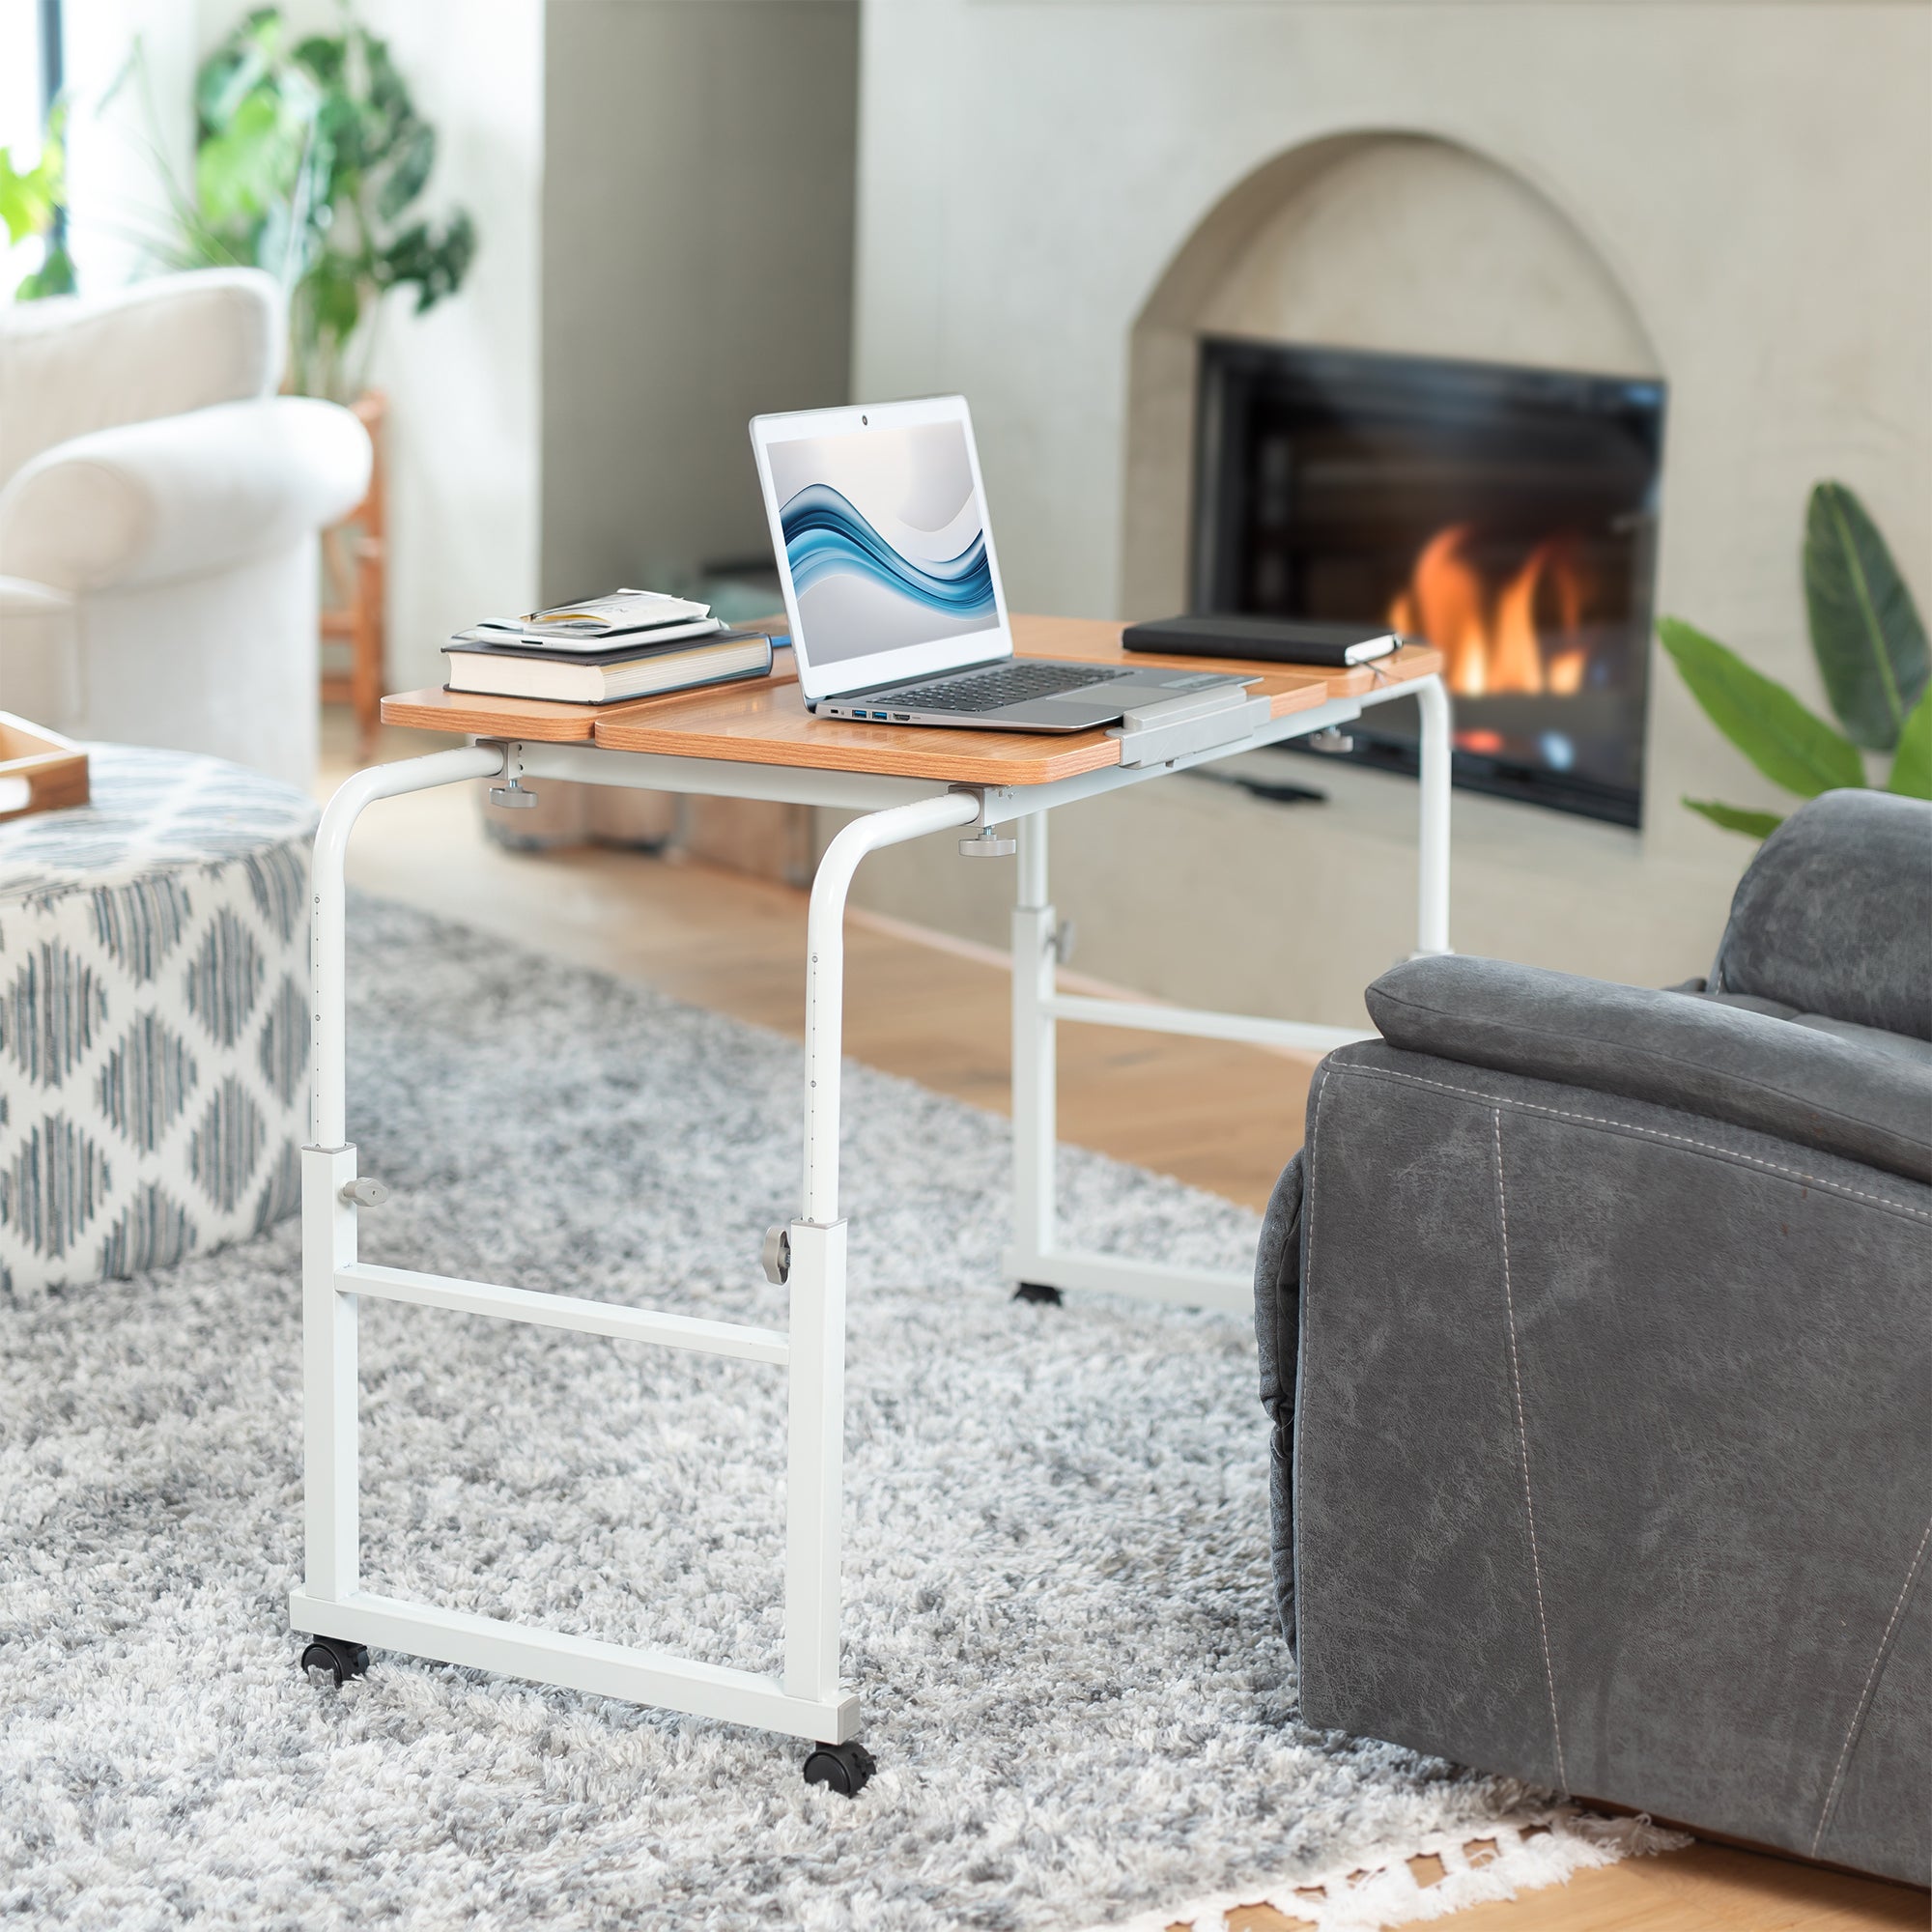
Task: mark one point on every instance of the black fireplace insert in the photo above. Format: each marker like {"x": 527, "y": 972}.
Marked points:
{"x": 1506, "y": 514}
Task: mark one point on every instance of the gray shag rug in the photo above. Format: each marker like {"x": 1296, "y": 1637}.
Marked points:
{"x": 1056, "y": 1577}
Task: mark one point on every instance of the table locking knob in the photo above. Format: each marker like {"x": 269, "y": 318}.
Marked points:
{"x": 366, "y": 1191}
{"x": 776, "y": 1256}
{"x": 986, "y": 843}
{"x": 512, "y": 794}
{"x": 1330, "y": 740}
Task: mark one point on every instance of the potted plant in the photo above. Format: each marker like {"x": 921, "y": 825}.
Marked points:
{"x": 309, "y": 154}
{"x": 309, "y": 157}
{"x": 1871, "y": 646}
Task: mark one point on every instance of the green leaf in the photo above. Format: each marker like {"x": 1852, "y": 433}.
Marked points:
{"x": 1865, "y": 629}
{"x": 1911, "y": 764}
{"x": 1735, "y": 818}
{"x": 1789, "y": 745}
{"x": 26, "y": 208}
{"x": 30, "y": 198}
{"x": 415, "y": 156}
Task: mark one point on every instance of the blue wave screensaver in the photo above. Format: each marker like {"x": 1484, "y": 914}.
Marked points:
{"x": 824, "y": 534}
{"x": 885, "y": 539}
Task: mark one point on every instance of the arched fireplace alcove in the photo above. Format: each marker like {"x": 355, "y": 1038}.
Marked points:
{"x": 1385, "y": 380}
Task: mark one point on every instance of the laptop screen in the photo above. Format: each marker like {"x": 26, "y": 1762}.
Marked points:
{"x": 885, "y": 539}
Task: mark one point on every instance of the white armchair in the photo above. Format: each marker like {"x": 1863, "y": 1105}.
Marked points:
{"x": 160, "y": 506}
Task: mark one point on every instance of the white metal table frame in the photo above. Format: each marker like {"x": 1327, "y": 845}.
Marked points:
{"x": 807, "y": 1698}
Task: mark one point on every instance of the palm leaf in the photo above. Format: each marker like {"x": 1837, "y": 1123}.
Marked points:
{"x": 1735, "y": 818}
{"x": 1865, "y": 629}
{"x": 1789, "y": 745}
{"x": 1911, "y": 764}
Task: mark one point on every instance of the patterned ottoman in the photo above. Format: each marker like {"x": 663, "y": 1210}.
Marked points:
{"x": 154, "y": 1018}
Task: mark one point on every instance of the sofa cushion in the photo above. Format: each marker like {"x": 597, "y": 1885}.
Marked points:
{"x": 1677, "y": 1050}
{"x": 1900, "y": 1045}
{"x": 1835, "y": 915}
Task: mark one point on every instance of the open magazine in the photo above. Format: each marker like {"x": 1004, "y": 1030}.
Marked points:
{"x": 597, "y": 623}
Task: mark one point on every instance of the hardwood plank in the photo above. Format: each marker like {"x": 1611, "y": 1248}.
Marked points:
{"x": 1709, "y": 1888}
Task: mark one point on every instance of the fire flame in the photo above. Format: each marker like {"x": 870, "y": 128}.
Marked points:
{"x": 1492, "y": 645}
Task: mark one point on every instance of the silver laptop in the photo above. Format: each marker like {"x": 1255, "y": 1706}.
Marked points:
{"x": 879, "y": 525}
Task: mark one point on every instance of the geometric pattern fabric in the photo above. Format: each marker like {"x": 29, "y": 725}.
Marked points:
{"x": 154, "y": 1018}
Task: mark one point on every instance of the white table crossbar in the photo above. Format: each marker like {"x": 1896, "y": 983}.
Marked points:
{"x": 805, "y": 1698}
{"x": 577, "y": 1663}
{"x": 1142, "y": 1017}
{"x": 543, "y": 1309}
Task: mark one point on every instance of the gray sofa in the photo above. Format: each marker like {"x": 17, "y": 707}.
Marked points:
{"x": 1596, "y": 1335}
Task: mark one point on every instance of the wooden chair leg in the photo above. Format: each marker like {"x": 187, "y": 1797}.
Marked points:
{"x": 367, "y": 646}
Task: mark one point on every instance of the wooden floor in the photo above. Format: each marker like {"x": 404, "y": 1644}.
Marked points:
{"x": 1222, "y": 1117}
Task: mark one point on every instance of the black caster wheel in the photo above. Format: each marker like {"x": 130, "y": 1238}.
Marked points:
{"x": 1038, "y": 1291}
{"x": 339, "y": 1659}
{"x": 844, "y": 1767}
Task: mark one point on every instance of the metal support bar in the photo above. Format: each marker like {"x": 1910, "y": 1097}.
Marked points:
{"x": 1034, "y": 1071}
{"x": 1431, "y": 914}
{"x": 328, "y": 1108}
{"x": 825, "y": 974}
{"x": 577, "y": 1662}
{"x": 330, "y": 1516}
{"x": 1148, "y": 1281}
{"x": 540, "y": 1310}
{"x": 815, "y": 1458}
{"x": 1139, "y": 1017}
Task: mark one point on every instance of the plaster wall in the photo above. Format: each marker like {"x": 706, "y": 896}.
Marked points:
{"x": 699, "y": 269}
{"x": 462, "y": 379}
{"x": 1736, "y": 196}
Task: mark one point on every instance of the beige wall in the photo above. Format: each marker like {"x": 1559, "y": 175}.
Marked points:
{"x": 1739, "y": 180}
{"x": 697, "y": 266}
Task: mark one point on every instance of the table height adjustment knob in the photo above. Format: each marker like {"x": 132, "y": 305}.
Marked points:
{"x": 776, "y": 1256}
{"x": 365, "y": 1191}
{"x": 986, "y": 843}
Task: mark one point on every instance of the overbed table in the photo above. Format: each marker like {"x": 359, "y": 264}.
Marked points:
{"x": 757, "y": 741}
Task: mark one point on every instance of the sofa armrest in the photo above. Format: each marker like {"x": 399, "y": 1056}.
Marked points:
{"x": 74, "y": 365}
{"x": 184, "y": 495}
{"x": 1750, "y": 1069}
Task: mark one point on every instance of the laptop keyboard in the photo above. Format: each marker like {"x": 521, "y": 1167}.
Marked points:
{"x": 1006, "y": 684}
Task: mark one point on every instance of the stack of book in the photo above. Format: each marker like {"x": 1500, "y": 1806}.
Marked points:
{"x": 633, "y": 644}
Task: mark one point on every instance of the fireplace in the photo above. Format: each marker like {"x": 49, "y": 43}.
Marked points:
{"x": 1506, "y": 514}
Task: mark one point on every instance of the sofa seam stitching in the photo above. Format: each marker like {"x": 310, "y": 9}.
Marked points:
{"x": 1649, "y": 1133}
{"x": 1860, "y": 1709}
{"x": 1522, "y": 1440}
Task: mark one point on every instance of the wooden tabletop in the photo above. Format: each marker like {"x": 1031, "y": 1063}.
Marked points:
{"x": 764, "y": 721}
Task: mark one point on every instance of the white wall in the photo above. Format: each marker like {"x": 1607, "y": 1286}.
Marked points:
{"x": 128, "y": 119}
{"x": 1756, "y": 179}
{"x": 463, "y": 380}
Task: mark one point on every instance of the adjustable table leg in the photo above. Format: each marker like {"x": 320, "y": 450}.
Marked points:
{"x": 1034, "y": 1067}
{"x": 330, "y": 1507}
{"x": 814, "y": 1272}
{"x": 1432, "y": 923}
